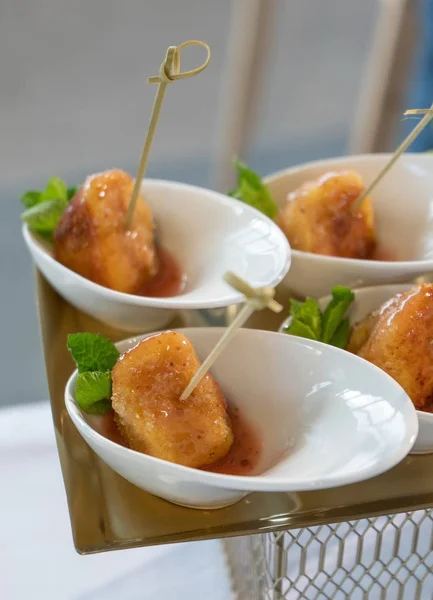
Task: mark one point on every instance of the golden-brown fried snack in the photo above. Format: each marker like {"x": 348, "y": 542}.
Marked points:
{"x": 361, "y": 332}
{"x": 91, "y": 240}
{"x": 398, "y": 339}
{"x": 147, "y": 384}
{"x": 317, "y": 218}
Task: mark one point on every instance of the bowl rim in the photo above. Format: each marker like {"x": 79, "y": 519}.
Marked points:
{"x": 174, "y": 302}
{"x": 348, "y": 160}
{"x": 426, "y": 416}
{"x": 257, "y": 482}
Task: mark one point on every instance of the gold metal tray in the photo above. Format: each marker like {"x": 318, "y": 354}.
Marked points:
{"x": 109, "y": 513}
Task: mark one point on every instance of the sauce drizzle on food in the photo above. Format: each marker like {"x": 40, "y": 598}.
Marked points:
{"x": 242, "y": 458}
{"x": 383, "y": 254}
{"x": 245, "y": 452}
{"x": 106, "y": 426}
{"x": 169, "y": 280}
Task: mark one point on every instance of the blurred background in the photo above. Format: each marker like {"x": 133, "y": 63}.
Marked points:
{"x": 74, "y": 99}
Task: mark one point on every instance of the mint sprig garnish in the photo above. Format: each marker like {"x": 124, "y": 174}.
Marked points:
{"x": 45, "y": 207}
{"x": 95, "y": 357}
{"x": 342, "y": 298}
{"x": 30, "y": 198}
{"x": 56, "y": 188}
{"x": 44, "y": 217}
{"x": 70, "y": 193}
{"x": 309, "y": 315}
{"x": 341, "y": 335}
{"x": 92, "y": 352}
{"x": 251, "y": 190}
{"x": 93, "y": 392}
{"x": 331, "y": 326}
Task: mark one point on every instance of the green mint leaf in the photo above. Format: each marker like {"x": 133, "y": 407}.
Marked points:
{"x": 44, "y": 217}
{"x": 44, "y": 208}
{"x": 71, "y": 193}
{"x": 253, "y": 191}
{"x": 342, "y": 298}
{"x": 47, "y": 236}
{"x": 309, "y": 313}
{"x": 92, "y": 352}
{"x": 93, "y": 392}
{"x": 56, "y": 188}
{"x": 332, "y": 327}
{"x": 296, "y": 308}
{"x": 341, "y": 292}
{"x": 248, "y": 175}
{"x": 31, "y": 198}
{"x": 341, "y": 335}
{"x": 301, "y": 330}
{"x": 259, "y": 199}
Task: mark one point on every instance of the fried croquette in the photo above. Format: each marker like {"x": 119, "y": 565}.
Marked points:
{"x": 147, "y": 383}
{"x": 91, "y": 239}
{"x": 317, "y": 217}
{"x": 398, "y": 339}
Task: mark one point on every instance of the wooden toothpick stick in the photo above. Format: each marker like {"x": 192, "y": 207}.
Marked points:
{"x": 257, "y": 299}
{"x": 428, "y": 116}
{"x": 168, "y": 72}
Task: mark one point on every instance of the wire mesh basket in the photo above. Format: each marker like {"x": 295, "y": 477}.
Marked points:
{"x": 381, "y": 558}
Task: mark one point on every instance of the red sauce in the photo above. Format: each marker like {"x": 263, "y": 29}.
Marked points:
{"x": 241, "y": 459}
{"x": 106, "y": 426}
{"x": 169, "y": 281}
{"x": 245, "y": 452}
{"x": 383, "y": 254}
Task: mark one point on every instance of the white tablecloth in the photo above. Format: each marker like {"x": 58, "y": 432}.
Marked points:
{"x": 37, "y": 557}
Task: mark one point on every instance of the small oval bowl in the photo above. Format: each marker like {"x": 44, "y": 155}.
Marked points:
{"x": 325, "y": 417}
{"x": 366, "y": 300}
{"x": 208, "y": 233}
{"x": 403, "y": 209}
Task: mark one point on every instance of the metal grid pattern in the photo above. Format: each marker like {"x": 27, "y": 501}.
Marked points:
{"x": 382, "y": 558}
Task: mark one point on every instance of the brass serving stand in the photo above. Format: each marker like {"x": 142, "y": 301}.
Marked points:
{"x": 108, "y": 513}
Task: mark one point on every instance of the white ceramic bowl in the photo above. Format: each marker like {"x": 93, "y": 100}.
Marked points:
{"x": 403, "y": 208}
{"x": 367, "y": 300}
{"x": 326, "y": 418}
{"x": 208, "y": 233}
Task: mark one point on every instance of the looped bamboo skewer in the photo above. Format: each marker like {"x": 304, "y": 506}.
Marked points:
{"x": 260, "y": 298}
{"x": 169, "y": 72}
{"x": 416, "y": 111}
{"x": 428, "y": 116}
{"x": 257, "y": 299}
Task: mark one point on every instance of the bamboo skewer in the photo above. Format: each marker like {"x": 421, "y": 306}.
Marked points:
{"x": 257, "y": 299}
{"x": 428, "y": 116}
{"x": 168, "y": 73}
{"x": 417, "y": 111}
